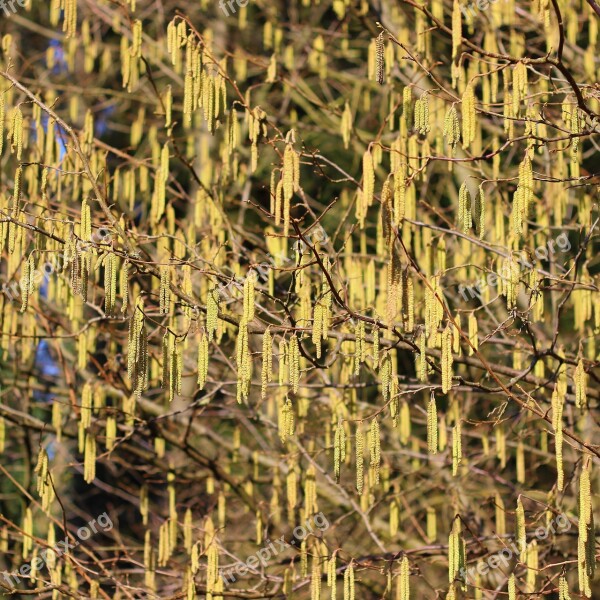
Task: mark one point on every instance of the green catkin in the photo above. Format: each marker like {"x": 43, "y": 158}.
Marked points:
{"x": 432, "y": 426}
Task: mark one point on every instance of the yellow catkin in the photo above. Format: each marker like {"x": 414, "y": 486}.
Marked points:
{"x": 469, "y": 118}
{"x": 580, "y": 380}
{"x": 368, "y": 178}
{"x": 465, "y": 221}
{"x": 403, "y": 589}
{"x": 447, "y": 359}
{"x": 339, "y": 449}
{"x": 248, "y": 308}
{"x": 451, "y": 131}
{"x": 375, "y": 450}
{"x": 202, "y": 361}
{"x": 586, "y": 540}
{"x": 456, "y": 448}
{"x": 2, "y": 118}
{"x": 512, "y": 588}
{"x": 349, "y": 583}
{"x": 267, "y": 361}
{"x": 212, "y": 312}
{"x": 165, "y": 290}
{"x": 89, "y": 459}
{"x": 456, "y": 28}
{"x": 432, "y": 426}
{"x": 345, "y": 125}
{"x": 360, "y": 445}
{"x": 520, "y": 532}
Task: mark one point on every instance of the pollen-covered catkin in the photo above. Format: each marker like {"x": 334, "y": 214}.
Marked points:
{"x": 267, "y": 362}
{"x": 380, "y": 59}
{"x": 202, "y": 360}
{"x": 447, "y": 359}
{"x": 432, "y": 426}
{"x": 465, "y": 221}
{"x": 360, "y": 445}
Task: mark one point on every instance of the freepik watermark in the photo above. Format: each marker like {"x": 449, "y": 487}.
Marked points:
{"x": 56, "y": 264}
{"x": 481, "y": 5}
{"x": 8, "y": 6}
{"x": 272, "y": 549}
{"x": 49, "y": 555}
{"x": 491, "y": 280}
{"x": 560, "y": 524}
{"x": 230, "y": 3}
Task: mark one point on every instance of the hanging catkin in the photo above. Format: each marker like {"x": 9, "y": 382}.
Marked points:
{"x": 456, "y": 28}
{"x": 432, "y": 426}
{"x": 212, "y": 312}
{"x": 580, "y": 380}
{"x": 267, "y": 362}
{"x": 360, "y": 445}
{"x": 380, "y": 59}
{"x": 520, "y": 533}
{"x": 469, "y": 117}
{"x": 339, "y": 449}
{"x": 202, "y": 360}
{"x": 465, "y": 221}
{"x": 447, "y": 359}
{"x": 586, "y": 559}
{"x": 349, "y": 583}
{"x": 451, "y": 131}
{"x": 456, "y": 448}
{"x": 375, "y": 449}
{"x": 404, "y": 580}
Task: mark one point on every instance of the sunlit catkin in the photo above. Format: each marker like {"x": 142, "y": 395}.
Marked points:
{"x": 339, "y": 449}
{"x": 520, "y": 532}
{"x": 447, "y": 359}
{"x": 375, "y": 450}
{"x": 432, "y": 426}
{"x": 465, "y": 221}
{"x": 349, "y": 583}
{"x": 360, "y": 446}
{"x": 469, "y": 117}
{"x": 267, "y": 362}
{"x": 580, "y": 380}
{"x": 586, "y": 559}
{"x": 202, "y": 361}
